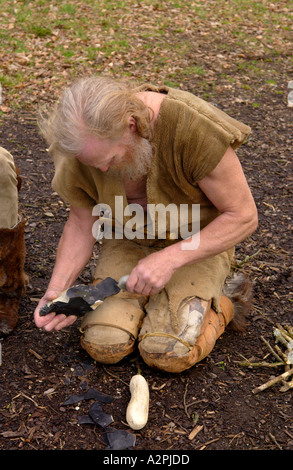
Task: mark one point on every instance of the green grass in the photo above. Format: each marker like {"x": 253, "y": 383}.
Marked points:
{"x": 169, "y": 41}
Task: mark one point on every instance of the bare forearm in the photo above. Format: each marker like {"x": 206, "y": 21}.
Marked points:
{"x": 74, "y": 251}
{"x": 227, "y": 189}
{"x": 220, "y": 235}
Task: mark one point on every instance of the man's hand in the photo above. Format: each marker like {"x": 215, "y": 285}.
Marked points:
{"x": 151, "y": 274}
{"x": 74, "y": 250}
{"x": 51, "y": 321}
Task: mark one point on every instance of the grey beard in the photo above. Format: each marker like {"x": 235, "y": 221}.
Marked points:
{"x": 139, "y": 164}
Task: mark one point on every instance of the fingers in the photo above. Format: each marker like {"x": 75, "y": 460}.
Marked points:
{"x": 59, "y": 322}
{"x": 151, "y": 274}
{"x": 42, "y": 321}
{"x": 142, "y": 288}
{"x": 146, "y": 281}
{"x": 51, "y": 322}
{"x": 140, "y": 285}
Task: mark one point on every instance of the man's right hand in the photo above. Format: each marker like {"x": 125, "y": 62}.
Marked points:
{"x": 51, "y": 322}
{"x": 73, "y": 253}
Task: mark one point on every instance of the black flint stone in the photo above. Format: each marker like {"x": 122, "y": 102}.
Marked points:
{"x": 115, "y": 439}
{"x": 81, "y": 298}
{"x": 118, "y": 440}
{"x": 76, "y": 306}
{"x": 91, "y": 394}
{"x": 85, "y": 420}
{"x": 99, "y": 416}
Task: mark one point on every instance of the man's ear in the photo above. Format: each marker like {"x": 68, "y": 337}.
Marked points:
{"x": 132, "y": 124}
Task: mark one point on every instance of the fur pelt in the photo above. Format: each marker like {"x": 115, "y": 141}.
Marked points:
{"x": 238, "y": 289}
{"x": 12, "y": 257}
{"x": 13, "y": 279}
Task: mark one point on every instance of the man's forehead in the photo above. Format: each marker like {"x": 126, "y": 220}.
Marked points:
{"x": 93, "y": 144}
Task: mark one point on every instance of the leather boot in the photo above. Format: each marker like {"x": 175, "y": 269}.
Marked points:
{"x": 175, "y": 349}
{"x": 176, "y": 344}
{"x": 13, "y": 280}
{"x": 109, "y": 332}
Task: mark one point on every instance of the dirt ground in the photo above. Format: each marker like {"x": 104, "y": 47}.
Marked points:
{"x": 40, "y": 371}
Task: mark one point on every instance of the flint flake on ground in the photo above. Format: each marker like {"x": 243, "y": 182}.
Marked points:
{"x": 114, "y": 438}
{"x": 98, "y": 415}
{"x": 91, "y": 394}
{"x": 118, "y": 440}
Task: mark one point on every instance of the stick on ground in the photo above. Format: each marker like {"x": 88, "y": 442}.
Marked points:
{"x": 273, "y": 381}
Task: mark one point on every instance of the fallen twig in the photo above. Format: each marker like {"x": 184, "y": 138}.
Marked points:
{"x": 246, "y": 259}
{"x": 262, "y": 364}
{"x": 21, "y": 394}
{"x": 279, "y": 336}
{"x": 271, "y": 349}
{"x": 285, "y": 333}
{"x": 284, "y": 336}
{"x": 273, "y": 381}
{"x": 35, "y": 354}
{"x": 184, "y": 398}
{"x": 281, "y": 353}
{"x": 290, "y": 330}
{"x": 195, "y": 432}
{"x": 275, "y": 441}
{"x": 286, "y": 386}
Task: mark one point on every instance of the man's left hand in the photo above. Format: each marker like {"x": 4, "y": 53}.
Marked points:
{"x": 151, "y": 274}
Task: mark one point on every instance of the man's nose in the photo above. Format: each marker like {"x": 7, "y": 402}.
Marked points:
{"x": 105, "y": 168}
